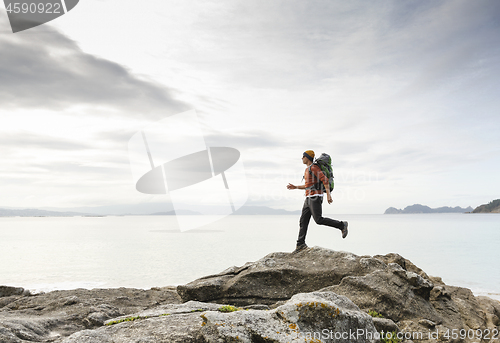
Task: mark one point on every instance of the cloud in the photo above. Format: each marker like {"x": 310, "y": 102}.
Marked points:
{"x": 457, "y": 40}
{"x": 250, "y": 139}
{"x": 23, "y": 140}
{"x": 294, "y": 44}
{"x": 44, "y": 69}
{"x": 403, "y": 90}
{"x": 252, "y": 165}
{"x": 117, "y": 138}
{"x": 100, "y": 171}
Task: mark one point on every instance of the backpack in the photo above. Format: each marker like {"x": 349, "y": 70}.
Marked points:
{"x": 324, "y": 162}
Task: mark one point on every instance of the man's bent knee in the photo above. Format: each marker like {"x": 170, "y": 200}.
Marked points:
{"x": 320, "y": 220}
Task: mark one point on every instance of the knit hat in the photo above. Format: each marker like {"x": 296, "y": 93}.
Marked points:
{"x": 309, "y": 154}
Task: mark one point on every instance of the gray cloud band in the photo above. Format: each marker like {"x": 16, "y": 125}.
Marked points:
{"x": 171, "y": 157}
{"x": 26, "y": 14}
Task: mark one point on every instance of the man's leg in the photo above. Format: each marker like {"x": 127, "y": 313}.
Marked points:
{"x": 317, "y": 213}
{"x": 305, "y": 217}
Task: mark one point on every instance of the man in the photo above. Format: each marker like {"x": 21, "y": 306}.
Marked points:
{"x": 314, "y": 200}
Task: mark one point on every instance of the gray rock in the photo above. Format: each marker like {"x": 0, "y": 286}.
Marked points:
{"x": 100, "y": 314}
{"x": 7, "y": 291}
{"x": 279, "y": 276}
{"x": 491, "y": 308}
{"x": 49, "y": 317}
{"x": 384, "y": 324}
{"x": 169, "y": 309}
{"x": 403, "y": 263}
{"x": 163, "y": 323}
{"x": 427, "y": 323}
{"x": 395, "y": 293}
{"x": 183, "y": 328}
{"x": 388, "y": 284}
{"x": 20, "y": 329}
{"x": 8, "y": 300}
{"x": 304, "y": 317}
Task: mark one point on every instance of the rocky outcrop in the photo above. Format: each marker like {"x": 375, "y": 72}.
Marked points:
{"x": 303, "y": 318}
{"x": 417, "y": 208}
{"x": 390, "y": 285}
{"x": 279, "y": 276}
{"x": 317, "y": 295}
{"x": 168, "y": 323}
{"x": 395, "y": 293}
{"x": 52, "y": 316}
{"x": 6, "y": 291}
{"x": 491, "y": 207}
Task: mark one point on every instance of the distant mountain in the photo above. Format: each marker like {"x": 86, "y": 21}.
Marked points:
{"x": 173, "y": 213}
{"x": 165, "y": 208}
{"x": 119, "y": 209}
{"x": 244, "y": 210}
{"x": 417, "y": 208}
{"x": 31, "y": 212}
{"x": 262, "y": 210}
{"x": 126, "y": 210}
{"x": 491, "y": 207}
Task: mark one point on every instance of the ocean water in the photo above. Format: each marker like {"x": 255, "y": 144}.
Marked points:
{"x": 48, "y": 253}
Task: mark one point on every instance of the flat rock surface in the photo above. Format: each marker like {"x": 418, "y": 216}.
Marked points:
{"x": 50, "y": 316}
{"x": 306, "y": 317}
{"x": 278, "y": 276}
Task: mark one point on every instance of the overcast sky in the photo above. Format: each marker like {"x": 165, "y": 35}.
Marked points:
{"x": 405, "y": 97}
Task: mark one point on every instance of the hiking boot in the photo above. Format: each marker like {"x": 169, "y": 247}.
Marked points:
{"x": 344, "y": 230}
{"x": 299, "y": 248}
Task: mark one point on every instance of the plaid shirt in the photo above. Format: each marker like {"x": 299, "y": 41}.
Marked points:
{"x": 312, "y": 178}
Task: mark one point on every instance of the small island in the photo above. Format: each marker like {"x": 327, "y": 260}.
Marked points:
{"x": 417, "y": 208}
{"x": 491, "y": 207}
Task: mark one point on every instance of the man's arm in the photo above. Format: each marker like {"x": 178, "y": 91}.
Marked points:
{"x": 324, "y": 180}
{"x": 290, "y": 186}
{"x": 328, "y": 195}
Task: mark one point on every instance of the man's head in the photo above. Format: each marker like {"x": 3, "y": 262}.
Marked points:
{"x": 308, "y": 156}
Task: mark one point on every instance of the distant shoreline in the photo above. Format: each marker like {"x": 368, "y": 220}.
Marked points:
{"x": 417, "y": 208}
{"x": 244, "y": 210}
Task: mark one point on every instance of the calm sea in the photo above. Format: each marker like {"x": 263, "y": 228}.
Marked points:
{"x": 48, "y": 253}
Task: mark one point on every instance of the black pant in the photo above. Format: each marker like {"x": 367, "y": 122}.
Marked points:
{"x": 313, "y": 207}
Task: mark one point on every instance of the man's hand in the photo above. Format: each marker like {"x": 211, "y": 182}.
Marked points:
{"x": 329, "y": 198}
{"x": 290, "y": 186}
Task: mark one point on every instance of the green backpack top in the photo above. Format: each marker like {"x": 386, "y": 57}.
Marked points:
{"x": 324, "y": 162}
